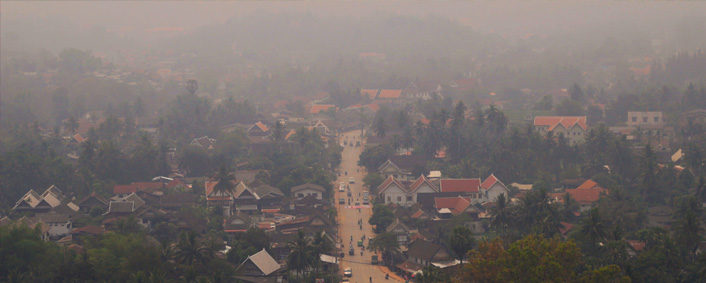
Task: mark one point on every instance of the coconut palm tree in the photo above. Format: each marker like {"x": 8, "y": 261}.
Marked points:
{"x": 593, "y": 228}
{"x": 225, "y": 180}
{"x": 189, "y": 250}
{"x": 302, "y": 254}
{"x": 500, "y": 213}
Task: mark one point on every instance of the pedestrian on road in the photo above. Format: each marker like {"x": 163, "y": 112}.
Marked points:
{"x": 371, "y": 279}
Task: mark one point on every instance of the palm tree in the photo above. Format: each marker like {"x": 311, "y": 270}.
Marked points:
{"x": 499, "y": 213}
{"x": 461, "y": 241}
{"x": 648, "y": 168}
{"x": 302, "y": 254}
{"x": 593, "y": 228}
{"x": 225, "y": 180}
{"x": 687, "y": 229}
{"x": 380, "y": 127}
{"x": 189, "y": 249}
{"x": 387, "y": 244}
{"x": 278, "y": 132}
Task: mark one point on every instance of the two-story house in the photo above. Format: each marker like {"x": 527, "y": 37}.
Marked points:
{"x": 492, "y": 188}
{"x": 652, "y": 119}
{"x": 59, "y": 224}
{"x": 402, "y": 167}
{"x": 301, "y": 191}
{"x": 573, "y": 128}
{"x": 404, "y": 193}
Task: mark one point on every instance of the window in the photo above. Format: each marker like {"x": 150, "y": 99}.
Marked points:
{"x": 300, "y": 195}
{"x": 316, "y": 195}
{"x": 399, "y": 199}
{"x": 389, "y": 199}
{"x": 634, "y": 119}
{"x": 644, "y": 119}
{"x": 656, "y": 119}
{"x": 409, "y": 198}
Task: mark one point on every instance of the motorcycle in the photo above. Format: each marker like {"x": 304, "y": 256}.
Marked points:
{"x": 387, "y": 276}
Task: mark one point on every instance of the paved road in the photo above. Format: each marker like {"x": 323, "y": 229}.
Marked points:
{"x": 349, "y": 216}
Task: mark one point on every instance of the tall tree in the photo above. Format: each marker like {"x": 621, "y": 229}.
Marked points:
{"x": 648, "y": 171}
{"x": 461, "y": 241}
{"x": 593, "y": 229}
{"x": 387, "y": 244}
{"x": 189, "y": 249}
{"x": 302, "y": 253}
{"x": 379, "y": 126}
{"x": 224, "y": 178}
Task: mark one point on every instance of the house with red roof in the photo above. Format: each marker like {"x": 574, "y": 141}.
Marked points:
{"x": 470, "y": 187}
{"x": 589, "y": 184}
{"x": 573, "y": 128}
{"x": 319, "y": 108}
{"x": 586, "y": 198}
{"x": 492, "y": 188}
{"x": 389, "y": 95}
{"x": 369, "y": 93}
{"x": 402, "y": 166}
{"x": 393, "y": 191}
{"x": 446, "y": 207}
{"x": 122, "y": 191}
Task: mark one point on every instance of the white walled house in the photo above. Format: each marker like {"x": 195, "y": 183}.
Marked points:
{"x": 301, "y": 191}
{"x": 394, "y": 191}
{"x": 59, "y": 223}
{"x": 573, "y": 128}
{"x": 492, "y": 187}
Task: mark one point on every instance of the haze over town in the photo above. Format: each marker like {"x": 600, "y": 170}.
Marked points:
{"x": 228, "y": 141}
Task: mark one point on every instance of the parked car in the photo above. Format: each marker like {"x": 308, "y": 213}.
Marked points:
{"x": 341, "y": 201}
{"x": 348, "y": 272}
{"x": 374, "y": 260}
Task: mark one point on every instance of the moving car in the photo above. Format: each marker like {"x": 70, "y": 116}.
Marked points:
{"x": 357, "y": 203}
{"x": 348, "y": 272}
{"x": 341, "y": 201}
{"x": 374, "y": 260}
{"x": 345, "y": 280}
{"x": 365, "y": 201}
{"x": 342, "y": 187}
{"x": 351, "y": 180}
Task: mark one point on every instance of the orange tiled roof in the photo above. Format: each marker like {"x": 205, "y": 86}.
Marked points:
{"x": 586, "y": 196}
{"x": 460, "y": 185}
{"x": 370, "y": 93}
{"x": 489, "y": 182}
{"x": 457, "y": 205}
{"x": 589, "y": 184}
{"x": 566, "y": 121}
{"x": 390, "y": 93}
{"x": 262, "y": 126}
{"x": 315, "y": 109}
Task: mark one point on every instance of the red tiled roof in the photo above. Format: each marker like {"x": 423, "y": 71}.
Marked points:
{"x": 566, "y": 121}
{"x": 262, "y": 126}
{"x": 489, "y": 182}
{"x": 389, "y": 181}
{"x": 79, "y": 138}
{"x": 370, "y": 93}
{"x": 421, "y": 180}
{"x": 417, "y": 214}
{"x": 390, "y": 93}
{"x": 315, "y": 109}
{"x": 175, "y": 183}
{"x": 586, "y": 196}
{"x": 589, "y": 184}
{"x": 456, "y": 204}
{"x": 135, "y": 187}
{"x": 567, "y": 227}
{"x": 460, "y": 185}
{"x": 95, "y": 230}
{"x": 638, "y": 246}
{"x": 374, "y": 106}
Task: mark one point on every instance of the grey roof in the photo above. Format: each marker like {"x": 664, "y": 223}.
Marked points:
{"x": 395, "y": 224}
{"x": 264, "y": 262}
{"x": 53, "y": 217}
{"x": 265, "y": 189}
{"x": 423, "y": 249}
{"x": 121, "y": 206}
{"x": 136, "y": 199}
{"x": 308, "y": 186}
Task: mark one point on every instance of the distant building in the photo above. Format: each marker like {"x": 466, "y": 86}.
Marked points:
{"x": 572, "y": 127}
{"x": 642, "y": 119}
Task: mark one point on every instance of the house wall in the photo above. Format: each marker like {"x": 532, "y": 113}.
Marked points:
{"x": 305, "y": 192}
{"x": 424, "y": 188}
{"x": 636, "y": 119}
{"x": 59, "y": 229}
{"x": 495, "y": 190}
{"x": 575, "y": 135}
{"x": 396, "y": 195}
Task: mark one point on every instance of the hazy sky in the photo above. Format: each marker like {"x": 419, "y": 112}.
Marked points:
{"x": 485, "y": 15}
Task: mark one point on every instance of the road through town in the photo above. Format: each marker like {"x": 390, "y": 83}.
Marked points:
{"x": 351, "y": 215}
